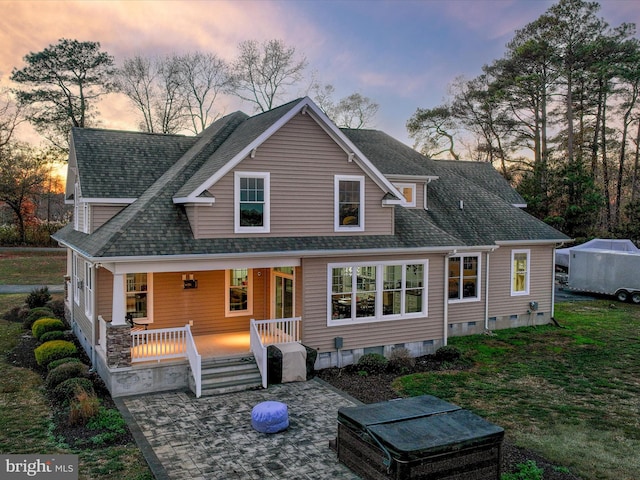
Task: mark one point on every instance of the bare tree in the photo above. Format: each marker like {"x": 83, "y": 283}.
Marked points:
{"x": 203, "y": 78}
{"x": 353, "y": 111}
{"x": 154, "y": 87}
{"x": 10, "y": 117}
{"x": 262, "y": 72}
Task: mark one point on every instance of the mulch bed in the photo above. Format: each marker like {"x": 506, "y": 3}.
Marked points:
{"x": 376, "y": 387}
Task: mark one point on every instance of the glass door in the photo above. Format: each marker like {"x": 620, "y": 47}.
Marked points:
{"x": 283, "y": 293}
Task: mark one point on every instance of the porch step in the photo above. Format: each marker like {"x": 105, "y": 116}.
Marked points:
{"x": 228, "y": 374}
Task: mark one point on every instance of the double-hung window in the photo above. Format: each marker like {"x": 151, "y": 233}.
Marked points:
{"x": 520, "y": 272}
{"x": 88, "y": 289}
{"x": 366, "y": 292}
{"x": 76, "y": 279}
{"x": 137, "y": 295}
{"x": 349, "y": 203}
{"x": 464, "y": 277}
{"x": 252, "y": 202}
{"x": 239, "y": 292}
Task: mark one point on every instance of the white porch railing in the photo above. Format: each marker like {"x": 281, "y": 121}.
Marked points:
{"x": 158, "y": 344}
{"x": 195, "y": 361}
{"x": 270, "y": 332}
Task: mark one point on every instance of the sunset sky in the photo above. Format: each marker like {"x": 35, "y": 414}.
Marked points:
{"x": 402, "y": 54}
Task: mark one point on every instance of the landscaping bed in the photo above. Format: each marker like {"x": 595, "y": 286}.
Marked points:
{"x": 376, "y": 385}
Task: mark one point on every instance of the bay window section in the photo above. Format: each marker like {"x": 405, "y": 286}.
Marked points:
{"x": 464, "y": 277}
{"x": 375, "y": 292}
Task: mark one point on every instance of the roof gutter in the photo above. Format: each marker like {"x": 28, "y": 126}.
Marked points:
{"x": 509, "y": 243}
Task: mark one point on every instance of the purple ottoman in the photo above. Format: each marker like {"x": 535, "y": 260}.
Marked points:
{"x": 270, "y": 417}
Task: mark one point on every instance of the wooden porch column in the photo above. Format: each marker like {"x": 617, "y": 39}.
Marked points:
{"x": 118, "y": 308}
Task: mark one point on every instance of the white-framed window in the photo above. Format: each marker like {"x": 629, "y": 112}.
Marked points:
{"x": 88, "y": 289}
{"x": 464, "y": 277}
{"x": 349, "y": 203}
{"x": 376, "y": 291}
{"x": 239, "y": 292}
{"x": 76, "y": 207}
{"x": 409, "y": 192}
{"x": 76, "y": 279}
{"x": 520, "y": 272}
{"x": 252, "y": 202}
{"x": 137, "y": 295}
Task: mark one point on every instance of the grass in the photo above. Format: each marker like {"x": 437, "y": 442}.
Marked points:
{"x": 26, "y": 418}
{"x": 572, "y": 393}
{"x": 32, "y": 267}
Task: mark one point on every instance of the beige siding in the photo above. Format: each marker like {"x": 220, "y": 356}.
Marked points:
{"x": 317, "y": 335}
{"x": 302, "y": 160}
{"x": 104, "y": 293}
{"x": 501, "y": 303}
{"x": 101, "y": 214}
{"x": 174, "y": 306}
{"x": 79, "y": 314}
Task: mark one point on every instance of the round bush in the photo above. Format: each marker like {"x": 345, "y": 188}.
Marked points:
{"x": 64, "y": 372}
{"x": 36, "y": 314}
{"x": 400, "y": 360}
{"x": 54, "y": 350}
{"x": 53, "y": 335}
{"x": 69, "y": 388}
{"x": 372, "y": 363}
{"x": 46, "y": 324}
{"x": 59, "y": 362}
{"x": 448, "y": 353}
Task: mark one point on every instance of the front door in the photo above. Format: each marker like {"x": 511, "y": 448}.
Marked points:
{"x": 282, "y": 292}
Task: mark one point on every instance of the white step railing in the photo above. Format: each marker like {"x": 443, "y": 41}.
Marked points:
{"x": 270, "y": 332}
{"x": 195, "y": 361}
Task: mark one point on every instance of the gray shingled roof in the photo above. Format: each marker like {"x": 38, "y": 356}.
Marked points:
{"x": 116, "y": 164}
{"x": 154, "y": 226}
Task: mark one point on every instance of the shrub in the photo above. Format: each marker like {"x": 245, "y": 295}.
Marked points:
{"x": 36, "y": 314}
{"x": 109, "y": 423}
{"x": 526, "y": 471}
{"x": 57, "y": 306}
{"x": 68, "y": 389}
{"x": 53, "y": 335}
{"x": 54, "y": 350}
{"x": 61, "y": 361}
{"x": 64, "y": 372}
{"x": 38, "y": 297}
{"x": 372, "y": 363}
{"x": 401, "y": 360}
{"x": 16, "y": 314}
{"x": 448, "y": 353}
{"x": 83, "y": 407}
{"x": 46, "y": 324}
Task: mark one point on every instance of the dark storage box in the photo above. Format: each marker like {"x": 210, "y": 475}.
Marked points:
{"x": 418, "y": 438}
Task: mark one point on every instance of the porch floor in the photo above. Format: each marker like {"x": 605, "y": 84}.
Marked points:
{"x": 223, "y": 344}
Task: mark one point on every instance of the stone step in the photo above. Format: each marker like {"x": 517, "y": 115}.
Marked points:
{"x": 229, "y": 374}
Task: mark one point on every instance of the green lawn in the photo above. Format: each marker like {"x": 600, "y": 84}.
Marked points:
{"x": 571, "y": 393}
{"x": 32, "y": 267}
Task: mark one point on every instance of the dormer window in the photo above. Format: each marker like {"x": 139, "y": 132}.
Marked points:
{"x": 252, "y": 202}
{"x": 408, "y": 190}
{"x": 349, "y": 203}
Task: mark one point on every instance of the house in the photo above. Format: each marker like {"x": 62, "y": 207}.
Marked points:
{"x": 281, "y": 228}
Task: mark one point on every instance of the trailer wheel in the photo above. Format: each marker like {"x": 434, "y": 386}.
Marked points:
{"x": 635, "y": 297}
{"x": 622, "y": 295}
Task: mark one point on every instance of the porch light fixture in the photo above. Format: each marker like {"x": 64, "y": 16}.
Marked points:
{"x": 188, "y": 281}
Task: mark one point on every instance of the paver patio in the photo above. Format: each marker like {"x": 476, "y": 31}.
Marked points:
{"x": 184, "y": 437}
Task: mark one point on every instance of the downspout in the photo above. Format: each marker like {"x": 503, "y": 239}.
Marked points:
{"x": 446, "y": 300}
{"x": 94, "y": 272}
{"x": 486, "y": 293}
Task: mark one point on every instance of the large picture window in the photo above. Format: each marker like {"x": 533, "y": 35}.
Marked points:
{"x": 349, "y": 203}
{"x": 376, "y": 291}
{"x": 252, "y": 202}
{"x": 520, "y": 272}
{"x": 464, "y": 278}
{"x": 239, "y": 292}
